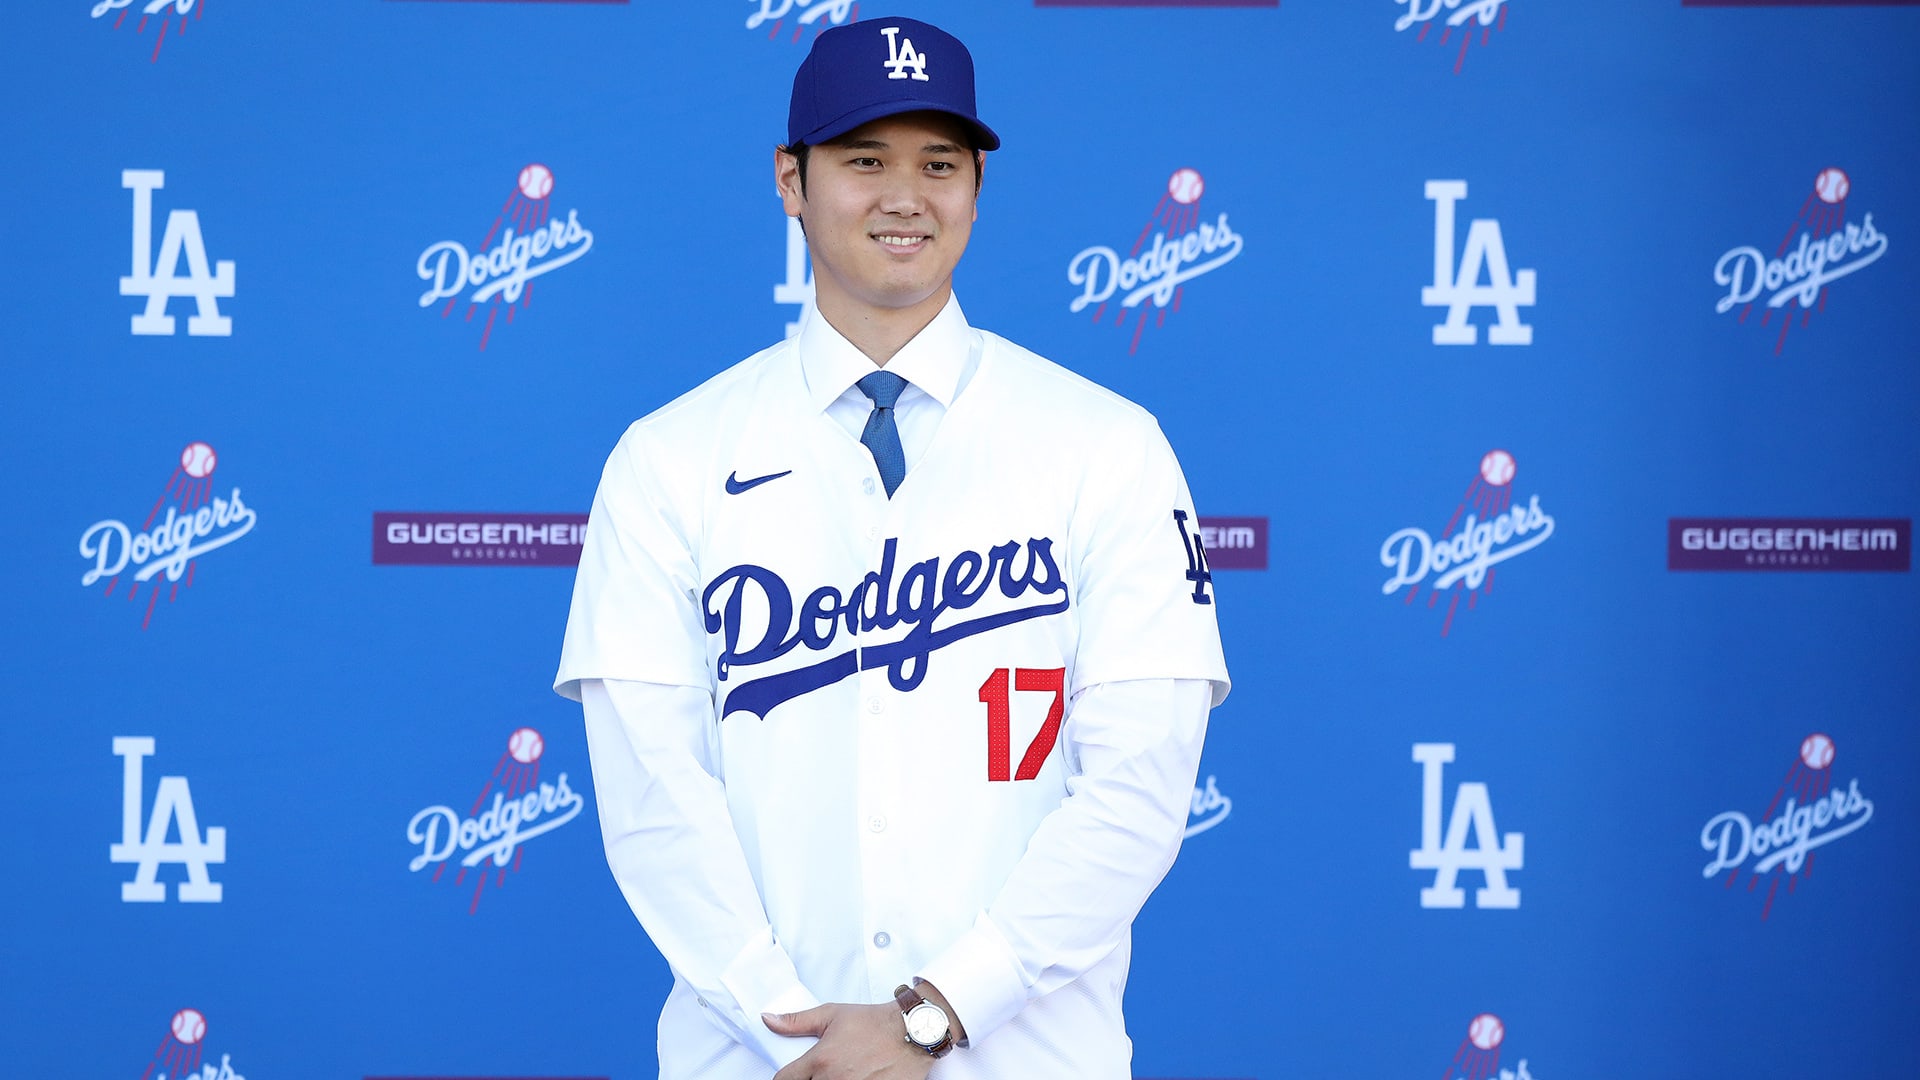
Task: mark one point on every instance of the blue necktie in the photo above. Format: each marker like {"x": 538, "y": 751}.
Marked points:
{"x": 881, "y": 436}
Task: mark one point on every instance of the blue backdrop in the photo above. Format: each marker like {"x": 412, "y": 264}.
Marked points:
{"x": 1579, "y": 713}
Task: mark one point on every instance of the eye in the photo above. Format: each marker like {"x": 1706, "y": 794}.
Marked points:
{"x": 941, "y": 166}
{"x": 865, "y": 162}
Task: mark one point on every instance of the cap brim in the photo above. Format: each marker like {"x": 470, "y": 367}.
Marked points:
{"x": 983, "y": 136}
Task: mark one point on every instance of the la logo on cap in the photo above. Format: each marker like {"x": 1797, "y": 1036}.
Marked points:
{"x": 901, "y": 55}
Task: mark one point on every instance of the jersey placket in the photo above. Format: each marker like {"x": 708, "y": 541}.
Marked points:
{"x": 883, "y": 871}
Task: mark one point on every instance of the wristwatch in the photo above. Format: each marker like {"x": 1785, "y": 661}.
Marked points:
{"x": 927, "y": 1025}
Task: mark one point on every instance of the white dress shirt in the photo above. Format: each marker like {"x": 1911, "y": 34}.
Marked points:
{"x": 790, "y": 831}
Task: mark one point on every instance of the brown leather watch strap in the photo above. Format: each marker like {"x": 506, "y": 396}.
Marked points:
{"x": 907, "y": 997}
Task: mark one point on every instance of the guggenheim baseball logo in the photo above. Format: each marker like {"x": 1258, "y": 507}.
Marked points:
{"x": 1808, "y": 811}
{"x": 490, "y": 836}
{"x": 1173, "y": 248}
{"x": 164, "y": 14}
{"x": 1820, "y": 247}
{"x": 163, "y": 552}
{"x": 1883, "y": 544}
{"x": 415, "y": 538}
{"x": 1458, "y": 20}
{"x": 180, "y": 1050}
{"x": 499, "y": 273}
{"x": 1462, "y": 560}
{"x": 172, "y": 811}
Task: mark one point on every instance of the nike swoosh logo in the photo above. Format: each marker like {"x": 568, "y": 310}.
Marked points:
{"x": 735, "y": 485}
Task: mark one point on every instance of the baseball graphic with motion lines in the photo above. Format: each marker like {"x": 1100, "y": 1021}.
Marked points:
{"x": 1831, "y": 185}
{"x": 536, "y": 181}
{"x": 1185, "y": 185}
{"x": 1816, "y": 751}
{"x": 189, "y": 1026}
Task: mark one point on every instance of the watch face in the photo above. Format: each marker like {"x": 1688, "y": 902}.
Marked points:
{"x": 926, "y": 1024}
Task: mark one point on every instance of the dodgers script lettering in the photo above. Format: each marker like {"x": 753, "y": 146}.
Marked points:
{"x": 925, "y": 592}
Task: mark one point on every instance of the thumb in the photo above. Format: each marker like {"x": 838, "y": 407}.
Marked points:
{"x": 810, "y": 1022}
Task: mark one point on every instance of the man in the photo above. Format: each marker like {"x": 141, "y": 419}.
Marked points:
{"x": 896, "y": 644}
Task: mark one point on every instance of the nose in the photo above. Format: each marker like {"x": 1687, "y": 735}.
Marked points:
{"x": 901, "y": 194}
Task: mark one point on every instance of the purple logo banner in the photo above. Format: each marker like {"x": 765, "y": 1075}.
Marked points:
{"x": 422, "y": 538}
{"x": 1235, "y": 543}
{"x": 1790, "y": 544}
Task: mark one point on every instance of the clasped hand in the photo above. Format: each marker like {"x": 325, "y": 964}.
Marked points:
{"x": 857, "y": 1042}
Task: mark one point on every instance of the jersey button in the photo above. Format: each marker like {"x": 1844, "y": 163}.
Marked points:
{"x": 875, "y": 706}
{"x": 867, "y": 485}
{"x": 877, "y": 823}
{"x": 881, "y": 940}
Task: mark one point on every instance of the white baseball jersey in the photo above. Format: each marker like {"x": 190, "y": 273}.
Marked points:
{"x": 842, "y": 740}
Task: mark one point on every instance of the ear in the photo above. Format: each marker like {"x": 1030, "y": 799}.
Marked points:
{"x": 786, "y": 181}
{"x": 980, "y": 170}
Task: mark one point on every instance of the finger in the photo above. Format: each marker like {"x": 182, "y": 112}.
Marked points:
{"x": 810, "y": 1022}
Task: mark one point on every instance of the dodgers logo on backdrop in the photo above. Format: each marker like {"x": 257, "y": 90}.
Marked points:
{"x": 172, "y": 810}
{"x": 172, "y": 15}
{"x": 1458, "y": 288}
{"x": 1781, "y": 842}
{"x": 1462, "y": 559}
{"x": 164, "y": 550}
{"x": 499, "y": 272}
{"x": 1820, "y": 247}
{"x": 492, "y": 835}
{"x": 1491, "y": 854}
{"x": 1461, "y": 17}
{"x": 1152, "y": 277}
{"x": 159, "y": 279}
{"x": 178, "y": 1056}
{"x": 1209, "y": 808}
{"x": 752, "y": 610}
{"x": 1478, "y": 1057}
{"x": 818, "y": 14}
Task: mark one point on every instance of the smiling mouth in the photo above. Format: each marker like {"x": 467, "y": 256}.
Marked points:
{"x": 896, "y": 242}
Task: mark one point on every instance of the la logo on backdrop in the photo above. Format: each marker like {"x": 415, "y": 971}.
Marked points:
{"x": 1491, "y": 854}
{"x": 165, "y": 14}
{"x": 158, "y": 278}
{"x": 163, "y": 552}
{"x": 490, "y": 837}
{"x": 1458, "y": 20}
{"x": 1478, "y": 1057}
{"x": 815, "y": 14}
{"x": 499, "y": 273}
{"x": 1781, "y": 843}
{"x": 1151, "y": 278}
{"x": 178, "y": 1057}
{"x": 1492, "y": 531}
{"x": 172, "y": 811}
{"x": 1820, "y": 247}
{"x": 1457, "y": 287}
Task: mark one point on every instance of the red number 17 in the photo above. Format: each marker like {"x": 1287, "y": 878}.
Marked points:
{"x": 1000, "y": 720}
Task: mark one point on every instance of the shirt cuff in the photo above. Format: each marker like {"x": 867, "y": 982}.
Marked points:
{"x": 981, "y": 978}
{"x": 761, "y": 979}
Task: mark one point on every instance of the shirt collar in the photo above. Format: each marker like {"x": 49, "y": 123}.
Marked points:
{"x": 933, "y": 361}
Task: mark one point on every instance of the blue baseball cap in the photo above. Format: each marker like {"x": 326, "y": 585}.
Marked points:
{"x": 880, "y": 67}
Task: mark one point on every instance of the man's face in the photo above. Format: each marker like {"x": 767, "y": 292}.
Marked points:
{"x": 888, "y": 208}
